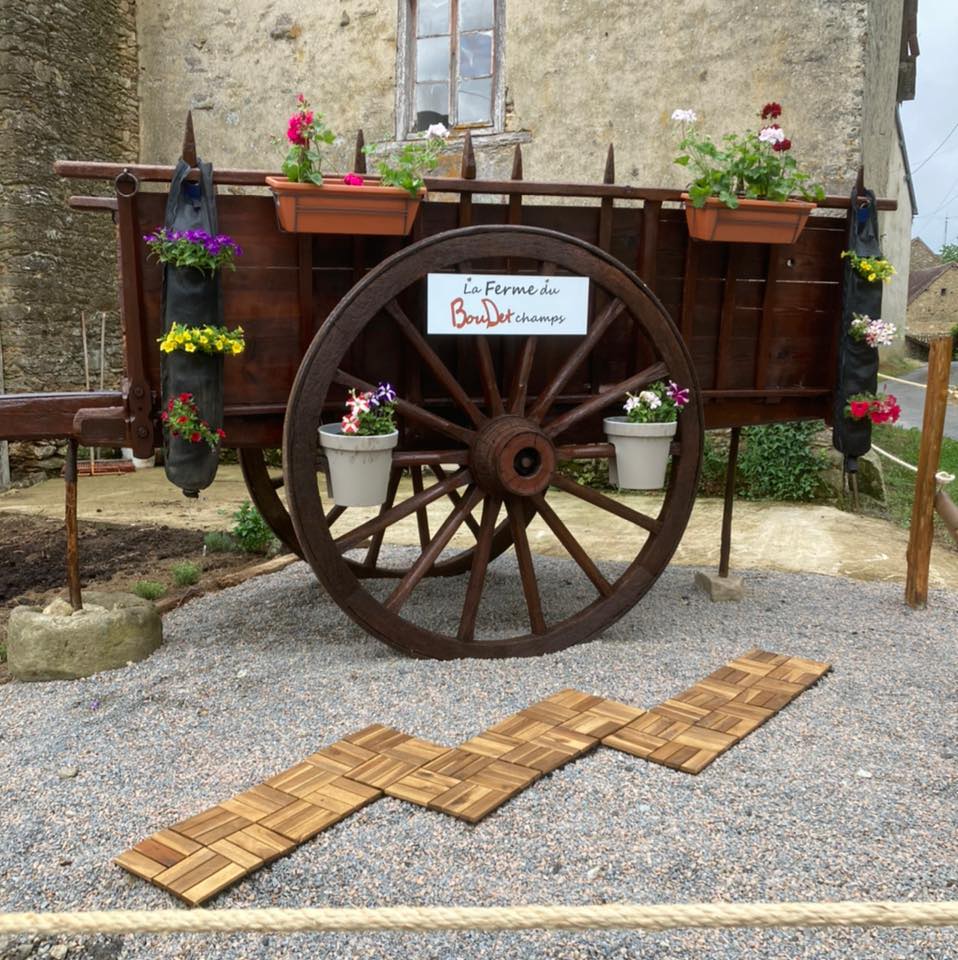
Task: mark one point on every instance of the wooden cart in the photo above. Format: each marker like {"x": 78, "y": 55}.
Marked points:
{"x": 486, "y": 421}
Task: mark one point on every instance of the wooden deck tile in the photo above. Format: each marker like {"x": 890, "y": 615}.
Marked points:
{"x": 691, "y": 730}
{"x": 198, "y": 857}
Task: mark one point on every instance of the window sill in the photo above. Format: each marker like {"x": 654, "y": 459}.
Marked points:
{"x": 481, "y": 137}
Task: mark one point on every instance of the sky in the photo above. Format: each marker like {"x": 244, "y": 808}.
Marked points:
{"x": 931, "y": 119}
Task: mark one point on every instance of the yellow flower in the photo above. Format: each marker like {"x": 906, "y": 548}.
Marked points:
{"x": 179, "y": 338}
{"x": 237, "y": 347}
{"x": 204, "y": 339}
{"x": 872, "y": 276}
{"x": 219, "y": 344}
{"x": 190, "y": 348}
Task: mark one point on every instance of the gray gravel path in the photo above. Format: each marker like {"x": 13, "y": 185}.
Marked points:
{"x": 850, "y": 793}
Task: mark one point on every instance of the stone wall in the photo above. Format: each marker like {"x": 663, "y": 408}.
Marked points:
{"x": 575, "y": 79}
{"x": 68, "y": 91}
{"x": 935, "y": 311}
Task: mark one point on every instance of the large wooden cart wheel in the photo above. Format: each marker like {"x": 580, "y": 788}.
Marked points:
{"x": 263, "y": 487}
{"x": 505, "y": 448}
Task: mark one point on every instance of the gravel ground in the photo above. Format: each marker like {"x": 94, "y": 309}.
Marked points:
{"x": 850, "y": 793}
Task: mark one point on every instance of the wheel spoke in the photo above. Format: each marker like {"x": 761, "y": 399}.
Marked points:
{"x": 575, "y": 360}
{"x": 480, "y": 561}
{"x": 441, "y": 372}
{"x": 395, "y": 514}
{"x": 585, "y": 451}
{"x": 603, "y": 399}
{"x": 527, "y": 570}
{"x": 334, "y": 515}
{"x": 277, "y": 482}
{"x": 520, "y": 383}
{"x": 606, "y": 503}
{"x": 456, "y": 499}
{"x": 411, "y": 410}
{"x": 565, "y": 537}
{"x": 432, "y": 550}
{"x": 375, "y": 545}
{"x": 487, "y": 373}
{"x": 422, "y": 518}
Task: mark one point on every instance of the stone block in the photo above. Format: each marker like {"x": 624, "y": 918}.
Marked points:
{"x": 720, "y": 588}
{"x": 58, "y": 643}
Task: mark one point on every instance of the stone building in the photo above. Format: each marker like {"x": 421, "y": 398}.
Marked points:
{"x": 107, "y": 80}
{"x": 922, "y": 257}
{"x": 932, "y": 306}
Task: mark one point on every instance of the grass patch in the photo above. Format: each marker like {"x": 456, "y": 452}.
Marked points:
{"x": 149, "y": 589}
{"x": 185, "y": 574}
{"x": 900, "y": 483}
{"x": 898, "y": 365}
{"x": 217, "y": 541}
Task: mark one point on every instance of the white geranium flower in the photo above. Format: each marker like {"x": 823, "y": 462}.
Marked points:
{"x": 772, "y": 135}
{"x": 650, "y": 399}
{"x": 686, "y": 116}
{"x": 437, "y": 130}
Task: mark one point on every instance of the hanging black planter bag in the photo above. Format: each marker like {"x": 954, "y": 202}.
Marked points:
{"x": 857, "y": 361}
{"x": 195, "y": 299}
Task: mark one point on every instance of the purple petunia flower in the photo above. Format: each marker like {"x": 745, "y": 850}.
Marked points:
{"x": 678, "y": 395}
{"x": 385, "y": 393}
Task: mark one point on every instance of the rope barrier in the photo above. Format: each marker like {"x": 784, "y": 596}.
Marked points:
{"x": 942, "y": 477}
{"x": 879, "y": 913}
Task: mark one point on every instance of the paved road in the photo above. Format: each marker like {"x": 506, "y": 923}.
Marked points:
{"x": 912, "y": 400}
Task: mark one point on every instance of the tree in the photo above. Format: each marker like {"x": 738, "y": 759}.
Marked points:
{"x": 949, "y": 252}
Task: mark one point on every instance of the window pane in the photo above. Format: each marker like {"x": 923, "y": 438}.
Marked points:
{"x": 475, "y": 101}
{"x": 432, "y": 104}
{"x": 475, "y": 14}
{"x": 432, "y": 59}
{"x": 433, "y": 17}
{"x": 475, "y": 55}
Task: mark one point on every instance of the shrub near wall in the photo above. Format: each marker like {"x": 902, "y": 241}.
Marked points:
{"x": 777, "y": 462}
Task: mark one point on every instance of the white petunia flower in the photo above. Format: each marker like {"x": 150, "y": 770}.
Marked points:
{"x": 686, "y": 116}
{"x": 437, "y": 130}
{"x": 772, "y": 135}
{"x": 631, "y": 403}
{"x": 650, "y": 399}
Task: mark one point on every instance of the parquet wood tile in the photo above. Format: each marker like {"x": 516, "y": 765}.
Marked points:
{"x": 198, "y": 857}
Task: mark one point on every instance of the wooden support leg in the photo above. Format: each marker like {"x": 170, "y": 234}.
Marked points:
{"x": 729, "y": 501}
{"x": 73, "y": 548}
{"x": 932, "y": 429}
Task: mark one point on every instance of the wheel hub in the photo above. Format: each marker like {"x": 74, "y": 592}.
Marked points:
{"x": 513, "y": 456}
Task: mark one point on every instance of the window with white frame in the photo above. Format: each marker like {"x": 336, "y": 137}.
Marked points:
{"x": 452, "y": 74}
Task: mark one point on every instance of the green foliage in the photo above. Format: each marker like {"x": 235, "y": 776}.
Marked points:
{"x": 954, "y": 342}
{"x": 251, "y": 530}
{"x": 149, "y": 589}
{"x": 185, "y": 574}
{"x": 777, "y": 462}
{"x": 415, "y": 159}
{"x": 217, "y": 541}
{"x": 714, "y": 462}
{"x": 949, "y": 252}
{"x": 746, "y": 165}
{"x": 591, "y": 473}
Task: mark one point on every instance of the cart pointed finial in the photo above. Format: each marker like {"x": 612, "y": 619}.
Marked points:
{"x": 359, "y": 161}
{"x": 189, "y": 141}
{"x": 517, "y": 163}
{"x": 468, "y": 158}
{"x": 610, "y": 165}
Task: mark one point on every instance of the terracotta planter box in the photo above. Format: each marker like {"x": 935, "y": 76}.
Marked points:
{"x": 753, "y": 221}
{"x": 336, "y": 207}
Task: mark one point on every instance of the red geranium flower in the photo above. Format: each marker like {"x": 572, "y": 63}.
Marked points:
{"x": 221, "y": 433}
{"x": 859, "y": 408}
{"x": 771, "y": 111}
{"x": 782, "y": 145}
{"x": 186, "y": 397}
{"x": 195, "y": 438}
{"x": 181, "y": 419}
{"x": 164, "y": 416}
{"x": 169, "y": 406}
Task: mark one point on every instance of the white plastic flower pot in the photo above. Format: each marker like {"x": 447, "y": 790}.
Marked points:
{"x": 641, "y": 453}
{"x": 359, "y": 467}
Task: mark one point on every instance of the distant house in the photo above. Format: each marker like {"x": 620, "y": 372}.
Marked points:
{"x": 932, "y": 305}
{"x": 922, "y": 256}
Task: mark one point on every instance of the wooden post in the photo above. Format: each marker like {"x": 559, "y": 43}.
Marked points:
{"x": 932, "y": 430}
{"x": 726, "y": 548}
{"x": 73, "y": 547}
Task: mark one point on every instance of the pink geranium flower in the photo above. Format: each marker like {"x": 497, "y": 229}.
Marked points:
{"x": 353, "y": 180}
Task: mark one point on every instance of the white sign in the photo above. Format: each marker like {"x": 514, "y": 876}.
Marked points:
{"x": 507, "y": 305}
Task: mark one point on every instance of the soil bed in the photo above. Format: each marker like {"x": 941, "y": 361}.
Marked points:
{"x": 33, "y": 568}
